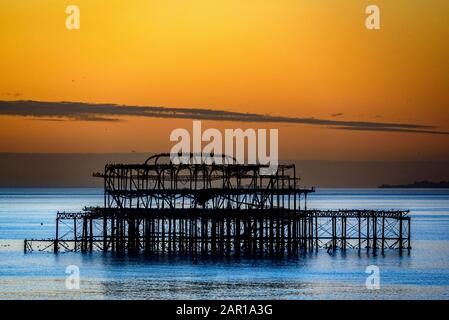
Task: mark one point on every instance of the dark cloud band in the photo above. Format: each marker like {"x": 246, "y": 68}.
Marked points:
{"x": 111, "y": 112}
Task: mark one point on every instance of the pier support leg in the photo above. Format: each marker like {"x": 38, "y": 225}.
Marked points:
{"x": 56, "y": 244}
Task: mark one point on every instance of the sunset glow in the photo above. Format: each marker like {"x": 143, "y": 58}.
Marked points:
{"x": 277, "y": 57}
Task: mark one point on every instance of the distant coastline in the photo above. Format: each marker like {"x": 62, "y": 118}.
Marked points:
{"x": 74, "y": 170}
{"x": 419, "y": 184}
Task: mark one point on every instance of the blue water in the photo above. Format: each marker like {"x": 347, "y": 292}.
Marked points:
{"x": 422, "y": 274}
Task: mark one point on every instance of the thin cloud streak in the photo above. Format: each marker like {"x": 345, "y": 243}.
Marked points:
{"x": 394, "y": 130}
{"x": 79, "y": 111}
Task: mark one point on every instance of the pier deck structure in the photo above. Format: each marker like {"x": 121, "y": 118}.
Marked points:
{"x": 216, "y": 209}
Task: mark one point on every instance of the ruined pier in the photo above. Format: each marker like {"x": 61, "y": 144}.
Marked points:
{"x": 216, "y": 209}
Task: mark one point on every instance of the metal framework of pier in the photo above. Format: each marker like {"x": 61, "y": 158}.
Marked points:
{"x": 216, "y": 209}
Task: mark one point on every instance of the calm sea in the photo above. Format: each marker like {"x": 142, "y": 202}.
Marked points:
{"x": 422, "y": 274}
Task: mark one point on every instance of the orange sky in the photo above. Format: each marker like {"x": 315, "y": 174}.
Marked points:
{"x": 277, "y": 57}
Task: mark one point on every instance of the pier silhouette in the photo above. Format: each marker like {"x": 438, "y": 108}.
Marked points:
{"x": 216, "y": 209}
